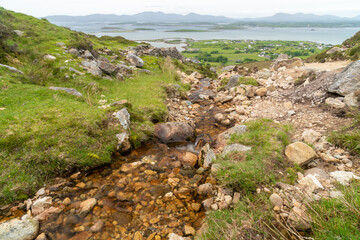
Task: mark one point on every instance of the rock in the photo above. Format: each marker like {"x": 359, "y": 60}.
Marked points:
{"x": 317, "y": 172}
{"x": 276, "y": 200}
{"x": 336, "y": 194}
{"x": 215, "y": 168}
{"x": 74, "y": 51}
{"x": 288, "y": 63}
{"x": 335, "y": 50}
{"x": 207, "y": 203}
{"x": 40, "y": 205}
{"x": 261, "y": 92}
{"x": 299, "y": 219}
{"x": 206, "y": 156}
{"x": 310, "y": 183}
{"x": 173, "y": 132}
{"x": 135, "y": 60}
{"x": 188, "y": 159}
{"x": 87, "y": 205}
{"x": 327, "y": 158}
{"x": 16, "y": 229}
{"x": 49, "y": 57}
{"x": 66, "y": 201}
{"x": 45, "y": 214}
{"x": 213, "y": 70}
{"x": 40, "y": 192}
{"x": 124, "y": 144}
{"x": 282, "y": 57}
{"x": 189, "y": 230}
{"x": 310, "y": 136}
{"x": 300, "y": 153}
{"x": 236, "y": 198}
{"x": 351, "y": 100}
{"x": 343, "y": 177}
{"x": 219, "y": 117}
{"x": 42, "y": 236}
{"x": 92, "y": 68}
{"x": 87, "y": 55}
{"x": 19, "y": 33}
{"x": 125, "y": 70}
{"x": 75, "y": 71}
{"x": 223, "y": 137}
{"x": 250, "y": 91}
{"x": 129, "y": 167}
{"x": 124, "y": 118}
{"x": 98, "y": 225}
{"x": 334, "y": 103}
{"x": 233, "y": 82}
{"x": 205, "y": 189}
{"x": 12, "y": 69}
{"x": 107, "y": 67}
{"x": 71, "y": 91}
{"x": 347, "y": 81}
{"x": 236, "y": 147}
{"x": 196, "y": 206}
{"x": 173, "y": 236}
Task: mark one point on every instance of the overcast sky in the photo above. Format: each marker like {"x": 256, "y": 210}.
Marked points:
{"x": 229, "y": 8}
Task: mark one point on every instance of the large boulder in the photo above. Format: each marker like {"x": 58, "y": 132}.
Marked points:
{"x": 173, "y": 131}
{"x": 300, "y": 153}
{"x": 92, "y": 67}
{"x": 135, "y": 60}
{"x": 347, "y": 81}
{"x": 15, "y": 229}
{"x": 107, "y": 67}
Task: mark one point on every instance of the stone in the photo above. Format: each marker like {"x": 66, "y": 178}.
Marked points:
{"x": 335, "y": 50}
{"x": 173, "y": 236}
{"x": 347, "y": 81}
{"x": 207, "y": 203}
{"x": 124, "y": 118}
{"x": 310, "y": 183}
{"x": 287, "y": 63}
{"x": 235, "y": 147}
{"x": 129, "y": 167}
{"x": 189, "y": 230}
{"x": 74, "y": 51}
{"x": 71, "y": 91}
{"x": 107, "y": 67}
{"x": 250, "y": 91}
{"x": 87, "y": 55}
{"x": 135, "y": 60}
{"x": 123, "y": 144}
{"x": 299, "y": 219}
{"x": 276, "y": 200}
{"x": 66, "y": 201}
{"x": 336, "y": 194}
{"x": 87, "y": 205}
{"x": 205, "y": 189}
{"x": 327, "y": 158}
{"x": 206, "y": 156}
{"x": 310, "y": 136}
{"x": 334, "y": 103}
{"x": 49, "y": 57}
{"x": 317, "y": 172}
{"x": 223, "y": 137}
{"x": 196, "y": 206}
{"x": 92, "y": 67}
{"x": 40, "y": 205}
{"x": 300, "y": 153}
{"x": 261, "y": 92}
{"x": 236, "y": 198}
{"x": 173, "y": 132}
{"x": 233, "y": 82}
{"x": 16, "y": 229}
{"x": 42, "y": 236}
{"x": 12, "y": 69}
{"x": 343, "y": 177}
{"x": 19, "y": 33}
{"x": 219, "y": 117}
{"x": 351, "y": 100}
{"x": 40, "y": 192}
{"x": 188, "y": 158}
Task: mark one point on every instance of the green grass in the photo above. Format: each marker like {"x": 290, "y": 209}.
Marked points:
{"x": 348, "y": 137}
{"x": 248, "y": 81}
{"x": 337, "y": 218}
{"x": 244, "y": 172}
{"x": 46, "y": 133}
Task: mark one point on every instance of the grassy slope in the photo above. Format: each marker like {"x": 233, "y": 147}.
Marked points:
{"x": 45, "y": 133}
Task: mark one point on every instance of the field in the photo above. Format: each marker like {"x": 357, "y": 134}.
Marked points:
{"x": 229, "y": 52}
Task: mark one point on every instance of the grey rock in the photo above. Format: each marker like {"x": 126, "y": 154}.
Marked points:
{"x": 205, "y": 189}
{"x": 12, "y": 69}
{"x": 124, "y": 118}
{"x": 228, "y": 68}
{"x": 213, "y": 70}
{"x": 233, "y": 82}
{"x": 107, "y": 67}
{"x": 276, "y": 200}
{"x": 74, "y": 51}
{"x": 343, "y": 177}
{"x": 135, "y": 60}
{"x": 87, "y": 55}
{"x": 75, "y": 71}
{"x": 15, "y": 229}
{"x": 317, "y": 172}
{"x": 92, "y": 67}
{"x": 288, "y": 63}
{"x": 236, "y": 147}
{"x": 123, "y": 142}
{"x": 125, "y": 70}
{"x": 351, "y": 100}
{"x": 71, "y": 91}
{"x": 347, "y": 81}
{"x": 334, "y": 103}
{"x": 173, "y": 131}
{"x": 206, "y": 156}
{"x": 49, "y": 57}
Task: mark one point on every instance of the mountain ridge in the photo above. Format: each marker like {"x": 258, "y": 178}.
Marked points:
{"x": 194, "y": 17}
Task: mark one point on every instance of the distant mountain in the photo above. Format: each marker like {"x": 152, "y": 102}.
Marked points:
{"x": 160, "y": 17}
{"x": 142, "y": 17}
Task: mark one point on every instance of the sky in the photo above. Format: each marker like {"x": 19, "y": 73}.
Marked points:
{"x": 228, "y": 8}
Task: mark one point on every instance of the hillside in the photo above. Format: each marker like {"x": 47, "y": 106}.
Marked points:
{"x": 46, "y": 133}
{"x": 349, "y": 50}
